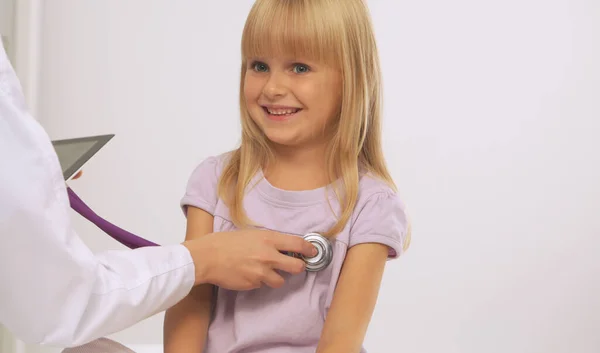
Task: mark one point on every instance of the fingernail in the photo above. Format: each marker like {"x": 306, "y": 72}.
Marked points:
{"x": 314, "y": 251}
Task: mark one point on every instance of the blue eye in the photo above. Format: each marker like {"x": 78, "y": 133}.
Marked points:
{"x": 258, "y": 66}
{"x": 301, "y": 68}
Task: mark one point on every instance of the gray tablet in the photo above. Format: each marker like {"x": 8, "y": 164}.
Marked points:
{"x": 74, "y": 153}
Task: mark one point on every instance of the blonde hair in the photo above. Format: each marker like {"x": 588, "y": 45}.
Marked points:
{"x": 335, "y": 32}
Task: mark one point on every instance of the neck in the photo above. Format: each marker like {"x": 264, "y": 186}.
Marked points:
{"x": 298, "y": 167}
{"x": 301, "y": 156}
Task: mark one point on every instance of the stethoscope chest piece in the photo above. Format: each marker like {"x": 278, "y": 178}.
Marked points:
{"x": 324, "y": 252}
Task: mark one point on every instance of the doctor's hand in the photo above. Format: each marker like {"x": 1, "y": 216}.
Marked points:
{"x": 244, "y": 260}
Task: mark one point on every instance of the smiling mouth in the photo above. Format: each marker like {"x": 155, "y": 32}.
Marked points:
{"x": 280, "y": 113}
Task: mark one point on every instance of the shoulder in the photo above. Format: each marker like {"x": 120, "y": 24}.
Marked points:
{"x": 211, "y": 166}
{"x": 371, "y": 189}
{"x": 209, "y": 170}
{"x": 201, "y": 188}
{"x": 379, "y": 216}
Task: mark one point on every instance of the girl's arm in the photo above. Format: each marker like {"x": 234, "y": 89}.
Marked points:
{"x": 354, "y": 299}
{"x": 376, "y": 236}
{"x": 186, "y": 323}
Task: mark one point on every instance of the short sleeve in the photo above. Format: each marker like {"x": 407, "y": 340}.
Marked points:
{"x": 201, "y": 189}
{"x": 382, "y": 219}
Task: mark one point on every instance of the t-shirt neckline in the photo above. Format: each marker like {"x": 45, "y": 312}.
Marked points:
{"x": 291, "y": 197}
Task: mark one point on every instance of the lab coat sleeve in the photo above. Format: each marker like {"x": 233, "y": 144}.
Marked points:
{"x": 53, "y": 289}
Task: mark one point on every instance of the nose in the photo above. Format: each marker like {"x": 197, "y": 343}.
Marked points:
{"x": 275, "y": 87}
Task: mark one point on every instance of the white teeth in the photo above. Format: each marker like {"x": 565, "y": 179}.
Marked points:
{"x": 282, "y": 111}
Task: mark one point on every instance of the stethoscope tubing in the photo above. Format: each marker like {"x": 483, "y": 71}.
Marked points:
{"x": 132, "y": 241}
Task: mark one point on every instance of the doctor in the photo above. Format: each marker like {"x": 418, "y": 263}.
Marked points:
{"x": 54, "y": 290}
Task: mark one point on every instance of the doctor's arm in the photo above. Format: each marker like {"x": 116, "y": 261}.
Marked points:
{"x": 53, "y": 289}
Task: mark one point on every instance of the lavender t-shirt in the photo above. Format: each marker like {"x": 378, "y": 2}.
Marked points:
{"x": 290, "y": 318}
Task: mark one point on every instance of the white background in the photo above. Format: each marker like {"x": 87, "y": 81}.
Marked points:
{"x": 492, "y": 113}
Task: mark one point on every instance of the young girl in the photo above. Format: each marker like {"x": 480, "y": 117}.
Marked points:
{"x": 310, "y": 160}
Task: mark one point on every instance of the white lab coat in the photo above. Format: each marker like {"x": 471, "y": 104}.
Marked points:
{"x": 53, "y": 289}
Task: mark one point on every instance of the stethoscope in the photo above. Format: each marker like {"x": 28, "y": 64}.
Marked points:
{"x": 313, "y": 264}
{"x": 324, "y": 253}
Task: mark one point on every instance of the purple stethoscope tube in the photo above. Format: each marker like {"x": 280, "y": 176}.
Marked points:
{"x": 122, "y": 236}
{"x": 132, "y": 241}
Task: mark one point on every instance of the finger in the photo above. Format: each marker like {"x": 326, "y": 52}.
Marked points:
{"x": 283, "y": 242}
{"x": 273, "y": 279}
{"x": 253, "y": 285}
{"x": 78, "y": 175}
{"x": 288, "y": 264}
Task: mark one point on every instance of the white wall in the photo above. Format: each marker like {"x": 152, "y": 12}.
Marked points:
{"x": 7, "y": 9}
{"x": 492, "y": 109}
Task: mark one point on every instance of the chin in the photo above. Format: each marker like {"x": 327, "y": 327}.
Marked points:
{"x": 282, "y": 140}
{"x": 282, "y": 136}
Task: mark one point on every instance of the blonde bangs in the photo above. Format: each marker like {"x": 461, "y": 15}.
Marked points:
{"x": 292, "y": 28}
